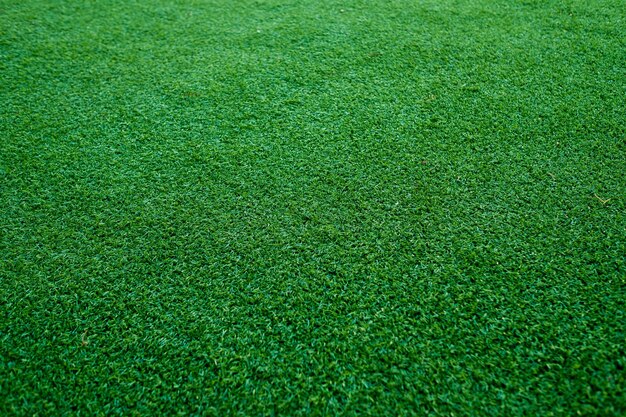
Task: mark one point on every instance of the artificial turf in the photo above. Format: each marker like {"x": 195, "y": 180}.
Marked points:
{"x": 306, "y": 207}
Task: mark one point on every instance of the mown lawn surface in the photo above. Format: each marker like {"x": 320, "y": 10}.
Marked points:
{"x": 313, "y": 207}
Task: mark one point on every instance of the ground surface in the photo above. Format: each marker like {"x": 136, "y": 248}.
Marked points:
{"x": 312, "y": 207}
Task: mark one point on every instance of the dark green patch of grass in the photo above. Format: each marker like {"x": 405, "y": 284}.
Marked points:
{"x": 312, "y": 207}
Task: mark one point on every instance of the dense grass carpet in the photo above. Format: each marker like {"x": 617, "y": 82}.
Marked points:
{"x": 267, "y": 207}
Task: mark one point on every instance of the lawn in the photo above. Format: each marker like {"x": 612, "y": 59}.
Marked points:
{"x": 264, "y": 207}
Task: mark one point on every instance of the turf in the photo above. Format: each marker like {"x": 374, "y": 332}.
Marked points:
{"x": 213, "y": 207}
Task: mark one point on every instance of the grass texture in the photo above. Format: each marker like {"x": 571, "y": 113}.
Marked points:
{"x": 264, "y": 207}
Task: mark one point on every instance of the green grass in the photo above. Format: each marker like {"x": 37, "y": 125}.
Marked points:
{"x": 313, "y": 207}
